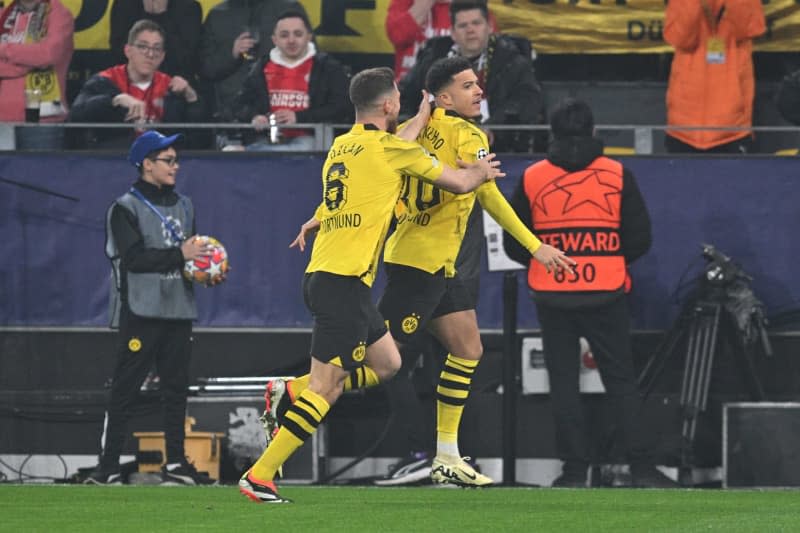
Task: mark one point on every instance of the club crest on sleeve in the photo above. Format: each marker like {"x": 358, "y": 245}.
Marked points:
{"x": 410, "y": 324}
{"x": 359, "y": 352}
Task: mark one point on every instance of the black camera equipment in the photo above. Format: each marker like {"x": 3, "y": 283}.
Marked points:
{"x": 721, "y": 307}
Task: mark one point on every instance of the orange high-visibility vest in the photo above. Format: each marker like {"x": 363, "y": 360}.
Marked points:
{"x": 578, "y": 212}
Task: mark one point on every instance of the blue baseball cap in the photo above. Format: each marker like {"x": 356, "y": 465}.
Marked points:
{"x": 147, "y": 142}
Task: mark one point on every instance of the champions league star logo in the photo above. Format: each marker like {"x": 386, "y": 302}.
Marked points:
{"x": 170, "y": 230}
{"x": 335, "y": 189}
{"x": 567, "y": 192}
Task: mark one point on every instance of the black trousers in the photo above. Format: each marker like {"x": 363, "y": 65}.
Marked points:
{"x": 607, "y": 328}
{"x": 141, "y": 343}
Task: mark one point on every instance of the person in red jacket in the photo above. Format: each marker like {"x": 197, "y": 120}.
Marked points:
{"x": 35, "y": 51}
{"x": 589, "y": 206}
{"x": 711, "y": 82}
{"x": 410, "y": 23}
{"x": 137, "y": 91}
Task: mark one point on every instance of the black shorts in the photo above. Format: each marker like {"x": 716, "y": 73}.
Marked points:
{"x": 413, "y": 297}
{"x": 346, "y": 320}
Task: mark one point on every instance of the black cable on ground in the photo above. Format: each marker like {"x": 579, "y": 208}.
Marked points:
{"x": 23, "y": 477}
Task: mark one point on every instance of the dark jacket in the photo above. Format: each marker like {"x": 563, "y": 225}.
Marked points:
{"x": 788, "y": 97}
{"x": 512, "y": 90}
{"x": 182, "y": 23}
{"x": 327, "y": 92}
{"x": 224, "y": 23}
{"x": 574, "y": 154}
{"x": 93, "y": 104}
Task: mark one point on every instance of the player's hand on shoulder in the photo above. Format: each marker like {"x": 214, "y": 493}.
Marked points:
{"x": 552, "y": 258}
{"x": 488, "y": 166}
{"x": 424, "y": 110}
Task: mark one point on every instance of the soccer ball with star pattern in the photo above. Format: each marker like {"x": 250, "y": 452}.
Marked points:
{"x": 208, "y": 269}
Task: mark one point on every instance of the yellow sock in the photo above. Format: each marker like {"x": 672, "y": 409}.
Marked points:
{"x": 451, "y": 395}
{"x": 300, "y": 422}
{"x": 297, "y": 385}
{"x": 362, "y": 377}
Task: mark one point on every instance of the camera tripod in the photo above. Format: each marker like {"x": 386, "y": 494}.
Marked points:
{"x": 704, "y": 324}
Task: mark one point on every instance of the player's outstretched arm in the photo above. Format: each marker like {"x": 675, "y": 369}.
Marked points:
{"x": 470, "y": 176}
{"x": 414, "y": 125}
{"x": 552, "y": 258}
{"x": 307, "y": 230}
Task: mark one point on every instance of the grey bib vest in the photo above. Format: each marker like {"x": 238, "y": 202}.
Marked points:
{"x": 164, "y": 295}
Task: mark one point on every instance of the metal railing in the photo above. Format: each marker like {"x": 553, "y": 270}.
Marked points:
{"x": 641, "y": 135}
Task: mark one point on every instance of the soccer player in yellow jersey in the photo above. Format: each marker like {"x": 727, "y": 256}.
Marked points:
{"x": 362, "y": 177}
{"x": 424, "y": 289}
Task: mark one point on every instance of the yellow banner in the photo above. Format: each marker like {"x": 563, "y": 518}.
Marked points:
{"x": 349, "y": 26}
{"x": 92, "y": 21}
{"x": 554, "y": 26}
{"x": 621, "y": 26}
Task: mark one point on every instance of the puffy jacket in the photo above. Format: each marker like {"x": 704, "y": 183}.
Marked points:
{"x": 711, "y": 94}
{"x": 514, "y": 94}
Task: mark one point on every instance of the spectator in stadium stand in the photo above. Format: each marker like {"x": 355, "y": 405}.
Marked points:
{"x": 511, "y": 93}
{"x": 35, "y": 51}
{"x": 136, "y": 91}
{"x": 182, "y": 21}
{"x": 711, "y": 82}
{"x": 788, "y": 97}
{"x": 292, "y": 83}
{"x": 234, "y": 35}
{"x": 409, "y": 25}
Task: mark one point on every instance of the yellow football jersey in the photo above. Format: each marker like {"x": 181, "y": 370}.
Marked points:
{"x": 431, "y": 222}
{"x": 361, "y": 181}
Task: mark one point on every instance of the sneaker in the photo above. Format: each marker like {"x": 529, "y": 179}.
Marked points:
{"x": 648, "y": 476}
{"x": 185, "y": 474}
{"x": 455, "y": 470}
{"x": 276, "y": 398}
{"x": 151, "y": 383}
{"x": 415, "y": 468}
{"x": 260, "y": 491}
{"x": 104, "y": 476}
{"x": 611, "y": 475}
{"x": 570, "y": 480}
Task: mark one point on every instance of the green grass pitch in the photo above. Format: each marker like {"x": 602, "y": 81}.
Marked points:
{"x": 353, "y": 509}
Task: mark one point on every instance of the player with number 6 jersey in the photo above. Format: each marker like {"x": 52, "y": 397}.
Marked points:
{"x": 361, "y": 181}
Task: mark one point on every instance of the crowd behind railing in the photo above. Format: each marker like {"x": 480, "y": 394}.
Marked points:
{"x": 637, "y": 139}
{"x": 250, "y": 77}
